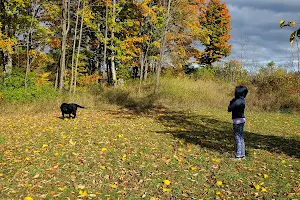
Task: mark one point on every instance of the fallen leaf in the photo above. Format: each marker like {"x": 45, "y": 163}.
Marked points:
{"x": 167, "y": 182}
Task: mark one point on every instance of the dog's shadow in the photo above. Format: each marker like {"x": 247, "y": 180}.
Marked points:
{"x": 66, "y": 117}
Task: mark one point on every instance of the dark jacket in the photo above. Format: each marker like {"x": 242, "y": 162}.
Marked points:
{"x": 237, "y": 104}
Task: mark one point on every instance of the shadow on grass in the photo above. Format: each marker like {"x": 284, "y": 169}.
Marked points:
{"x": 218, "y": 135}
{"x": 137, "y": 105}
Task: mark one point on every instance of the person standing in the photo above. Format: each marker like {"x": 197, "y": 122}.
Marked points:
{"x": 237, "y": 107}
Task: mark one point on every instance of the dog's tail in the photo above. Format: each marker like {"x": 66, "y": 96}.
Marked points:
{"x": 79, "y": 106}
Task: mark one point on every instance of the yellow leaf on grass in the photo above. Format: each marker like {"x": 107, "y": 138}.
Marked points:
{"x": 218, "y": 193}
{"x": 219, "y": 183}
{"x": 104, "y": 149}
{"x": 83, "y": 193}
{"x": 264, "y": 189}
{"x": 193, "y": 168}
{"x": 256, "y": 186}
{"x": 166, "y": 190}
{"x": 217, "y": 160}
{"x": 45, "y": 145}
{"x": 114, "y": 186}
{"x": 266, "y": 176}
{"x": 36, "y": 151}
{"x": 124, "y": 158}
{"x": 167, "y": 182}
{"x": 28, "y": 198}
{"x": 56, "y": 154}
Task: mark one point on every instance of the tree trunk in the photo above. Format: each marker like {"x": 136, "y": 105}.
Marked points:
{"x": 113, "y": 68}
{"x": 74, "y": 47}
{"x": 143, "y": 59}
{"x": 56, "y": 78}
{"x": 8, "y": 65}
{"x": 146, "y": 70}
{"x": 28, "y": 48}
{"x": 78, "y": 50}
{"x": 105, "y": 41}
{"x": 141, "y": 71}
{"x": 65, "y": 27}
{"x": 162, "y": 48}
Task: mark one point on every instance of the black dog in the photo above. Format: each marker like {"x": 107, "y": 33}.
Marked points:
{"x": 69, "y": 109}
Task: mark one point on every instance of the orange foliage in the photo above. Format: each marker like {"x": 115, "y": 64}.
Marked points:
{"x": 55, "y": 42}
{"x": 6, "y": 43}
{"x": 88, "y": 79}
{"x": 216, "y": 20}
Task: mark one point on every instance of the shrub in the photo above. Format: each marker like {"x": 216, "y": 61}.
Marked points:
{"x": 13, "y": 89}
{"x": 277, "y": 89}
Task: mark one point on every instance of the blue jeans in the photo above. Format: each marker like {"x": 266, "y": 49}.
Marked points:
{"x": 239, "y": 139}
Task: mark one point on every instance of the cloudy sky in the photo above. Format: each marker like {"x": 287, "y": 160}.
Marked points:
{"x": 256, "y": 35}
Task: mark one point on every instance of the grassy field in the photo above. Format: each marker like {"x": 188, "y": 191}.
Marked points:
{"x": 129, "y": 145}
{"x": 159, "y": 153}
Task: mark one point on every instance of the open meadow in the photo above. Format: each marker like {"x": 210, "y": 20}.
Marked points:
{"x": 125, "y": 151}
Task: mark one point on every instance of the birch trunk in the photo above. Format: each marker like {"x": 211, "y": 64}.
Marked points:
{"x": 162, "y": 48}
{"x": 113, "y": 68}
{"x": 74, "y": 48}
{"x": 65, "y": 29}
{"x": 105, "y": 41}
{"x": 27, "y": 49}
{"x": 78, "y": 50}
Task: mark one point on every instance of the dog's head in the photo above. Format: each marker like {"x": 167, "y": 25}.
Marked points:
{"x": 64, "y": 107}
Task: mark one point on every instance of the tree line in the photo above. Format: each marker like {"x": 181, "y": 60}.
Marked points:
{"x": 73, "y": 41}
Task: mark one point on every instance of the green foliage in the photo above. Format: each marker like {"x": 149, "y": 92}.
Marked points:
{"x": 205, "y": 73}
{"x": 232, "y": 71}
{"x": 14, "y": 91}
{"x": 123, "y": 71}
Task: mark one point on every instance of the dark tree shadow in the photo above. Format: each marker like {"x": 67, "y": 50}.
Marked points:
{"x": 218, "y": 135}
{"x": 137, "y": 105}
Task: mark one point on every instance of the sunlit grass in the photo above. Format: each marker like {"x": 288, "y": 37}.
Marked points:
{"x": 129, "y": 145}
{"x": 118, "y": 153}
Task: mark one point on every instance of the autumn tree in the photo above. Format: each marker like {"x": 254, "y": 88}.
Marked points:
{"x": 9, "y": 20}
{"x": 216, "y": 20}
{"x": 185, "y": 32}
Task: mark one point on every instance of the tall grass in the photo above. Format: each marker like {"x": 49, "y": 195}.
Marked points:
{"x": 178, "y": 93}
{"x": 185, "y": 93}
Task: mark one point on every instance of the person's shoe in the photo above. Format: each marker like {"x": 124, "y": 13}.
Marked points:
{"x": 239, "y": 158}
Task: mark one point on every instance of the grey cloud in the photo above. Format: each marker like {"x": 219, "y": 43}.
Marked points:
{"x": 257, "y": 21}
{"x": 279, "y": 6}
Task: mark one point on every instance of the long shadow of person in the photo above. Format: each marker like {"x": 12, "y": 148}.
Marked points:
{"x": 217, "y": 135}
